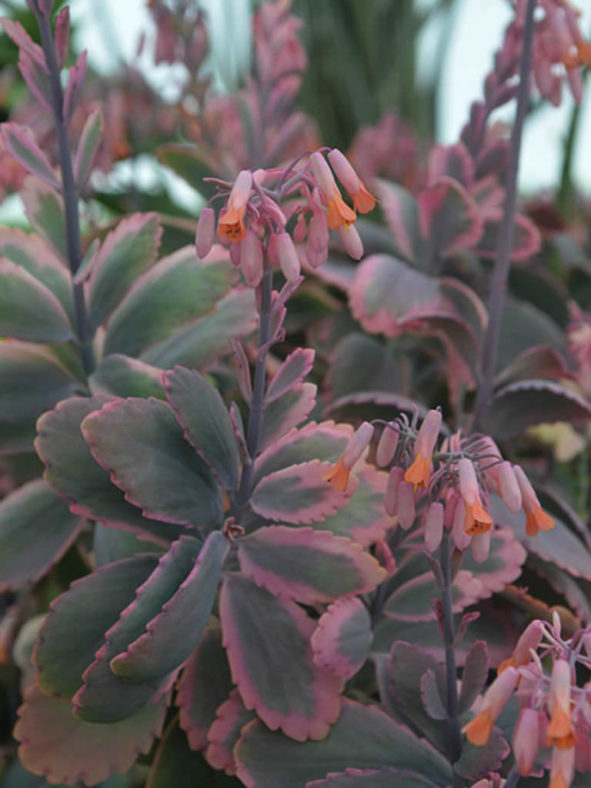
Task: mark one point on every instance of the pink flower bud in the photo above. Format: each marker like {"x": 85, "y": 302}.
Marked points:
{"x": 322, "y": 174}
{"x": 300, "y": 229}
{"x": 392, "y": 487}
{"x": 351, "y": 241}
{"x": 235, "y": 253}
{"x": 251, "y": 259}
{"x": 508, "y": 487}
{"x": 406, "y": 505}
{"x": 288, "y": 257}
{"x": 529, "y": 640}
{"x": 469, "y": 489}
{"x": 434, "y": 526}
{"x": 387, "y": 446}
{"x": 318, "y": 232}
{"x": 480, "y": 546}
{"x": 458, "y": 534}
{"x": 205, "y": 232}
{"x": 357, "y": 444}
{"x": 525, "y": 740}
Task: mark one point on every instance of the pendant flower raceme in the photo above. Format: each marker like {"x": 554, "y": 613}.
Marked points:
{"x": 285, "y": 213}
{"x": 448, "y": 480}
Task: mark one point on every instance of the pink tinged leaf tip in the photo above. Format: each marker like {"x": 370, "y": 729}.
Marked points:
{"x": 288, "y": 257}
{"x": 343, "y": 637}
{"x": 205, "y": 234}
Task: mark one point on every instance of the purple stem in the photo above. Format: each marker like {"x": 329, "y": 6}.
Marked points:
{"x": 255, "y": 416}
{"x": 69, "y": 190}
{"x": 451, "y": 671}
{"x": 506, "y": 231}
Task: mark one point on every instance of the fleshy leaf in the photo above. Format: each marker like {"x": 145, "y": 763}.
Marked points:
{"x": 173, "y": 293}
{"x": 521, "y": 405}
{"x": 202, "y": 343}
{"x": 73, "y": 91}
{"x": 535, "y": 362}
{"x": 406, "y": 667}
{"x": 225, "y": 731}
{"x": 202, "y": 414}
{"x": 36, "y": 528}
{"x": 575, "y": 592}
{"x": 402, "y": 215}
{"x": 73, "y": 472}
{"x": 411, "y": 601}
{"x": 503, "y": 565}
{"x": 343, "y": 637}
{"x": 32, "y": 382}
{"x": 159, "y": 650}
{"x": 89, "y": 608}
{"x": 44, "y": 209}
{"x": 453, "y": 161}
{"x": 88, "y": 145}
{"x": 363, "y": 737}
{"x": 362, "y": 363}
{"x": 189, "y": 163}
{"x": 113, "y": 544}
{"x": 287, "y": 411}
{"x": 177, "y": 766}
{"x": 20, "y": 142}
{"x": 449, "y": 217}
{"x": 124, "y": 255}
{"x": 307, "y": 566}
{"x": 430, "y": 697}
{"x": 474, "y": 675}
{"x": 155, "y": 467}
{"x": 36, "y": 257}
{"x": 297, "y": 494}
{"x": 122, "y": 376}
{"x": 526, "y": 240}
{"x": 291, "y": 372}
{"x": 28, "y": 309}
{"x": 64, "y": 749}
{"x": 372, "y": 778}
{"x": 205, "y": 684}
{"x": 291, "y": 693}
{"x": 559, "y": 546}
{"x": 477, "y": 761}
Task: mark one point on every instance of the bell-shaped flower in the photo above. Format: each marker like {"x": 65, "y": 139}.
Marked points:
{"x": 338, "y": 213}
{"x": 338, "y": 475}
{"x": 529, "y": 640}
{"x": 231, "y": 222}
{"x": 536, "y": 518}
{"x": 363, "y": 201}
{"x": 562, "y": 767}
{"x": 477, "y": 520}
{"x": 495, "y": 699}
{"x": 419, "y": 472}
{"x": 560, "y": 732}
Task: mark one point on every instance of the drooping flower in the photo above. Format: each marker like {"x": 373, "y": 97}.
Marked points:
{"x": 338, "y": 475}
{"x": 526, "y": 739}
{"x": 536, "y": 518}
{"x": 338, "y": 213}
{"x": 231, "y": 223}
{"x": 529, "y": 640}
{"x": 562, "y": 768}
{"x": 363, "y": 201}
{"x": 495, "y": 699}
{"x": 560, "y": 731}
{"x": 419, "y": 472}
{"x": 476, "y": 519}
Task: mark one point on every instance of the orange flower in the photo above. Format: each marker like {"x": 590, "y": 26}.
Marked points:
{"x": 536, "y": 518}
{"x": 363, "y": 201}
{"x": 560, "y": 731}
{"x": 419, "y": 472}
{"x": 338, "y": 476}
{"x": 231, "y": 224}
{"x": 476, "y": 519}
{"x": 495, "y": 699}
{"x": 338, "y": 212}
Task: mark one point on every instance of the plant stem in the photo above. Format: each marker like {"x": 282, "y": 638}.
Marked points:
{"x": 512, "y": 777}
{"x": 506, "y": 231}
{"x": 451, "y": 672}
{"x": 69, "y": 190}
{"x": 255, "y": 416}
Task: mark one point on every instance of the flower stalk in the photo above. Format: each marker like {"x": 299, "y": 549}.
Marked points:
{"x": 69, "y": 189}
{"x": 506, "y": 231}
{"x": 451, "y": 671}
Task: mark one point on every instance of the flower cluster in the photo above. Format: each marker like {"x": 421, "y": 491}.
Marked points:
{"x": 450, "y": 484}
{"x": 555, "y": 712}
{"x": 260, "y": 206}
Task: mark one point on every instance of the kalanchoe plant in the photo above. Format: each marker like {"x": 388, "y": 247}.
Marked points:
{"x": 285, "y": 600}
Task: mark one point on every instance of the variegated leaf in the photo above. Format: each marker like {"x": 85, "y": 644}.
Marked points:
{"x": 342, "y": 639}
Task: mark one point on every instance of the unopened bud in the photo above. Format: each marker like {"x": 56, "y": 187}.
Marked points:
{"x": 351, "y": 241}
{"x": 288, "y": 257}
{"x": 434, "y": 526}
{"x": 357, "y": 444}
{"x": 525, "y": 740}
{"x": 406, "y": 505}
{"x": 387, "y": 446}
{"x": 509, "y": 487}
{"x": 480, "y": 546}
{"x": 251, "y": 259}
{"x": 392, "y": 487}
{"x": 205, "y": 232}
